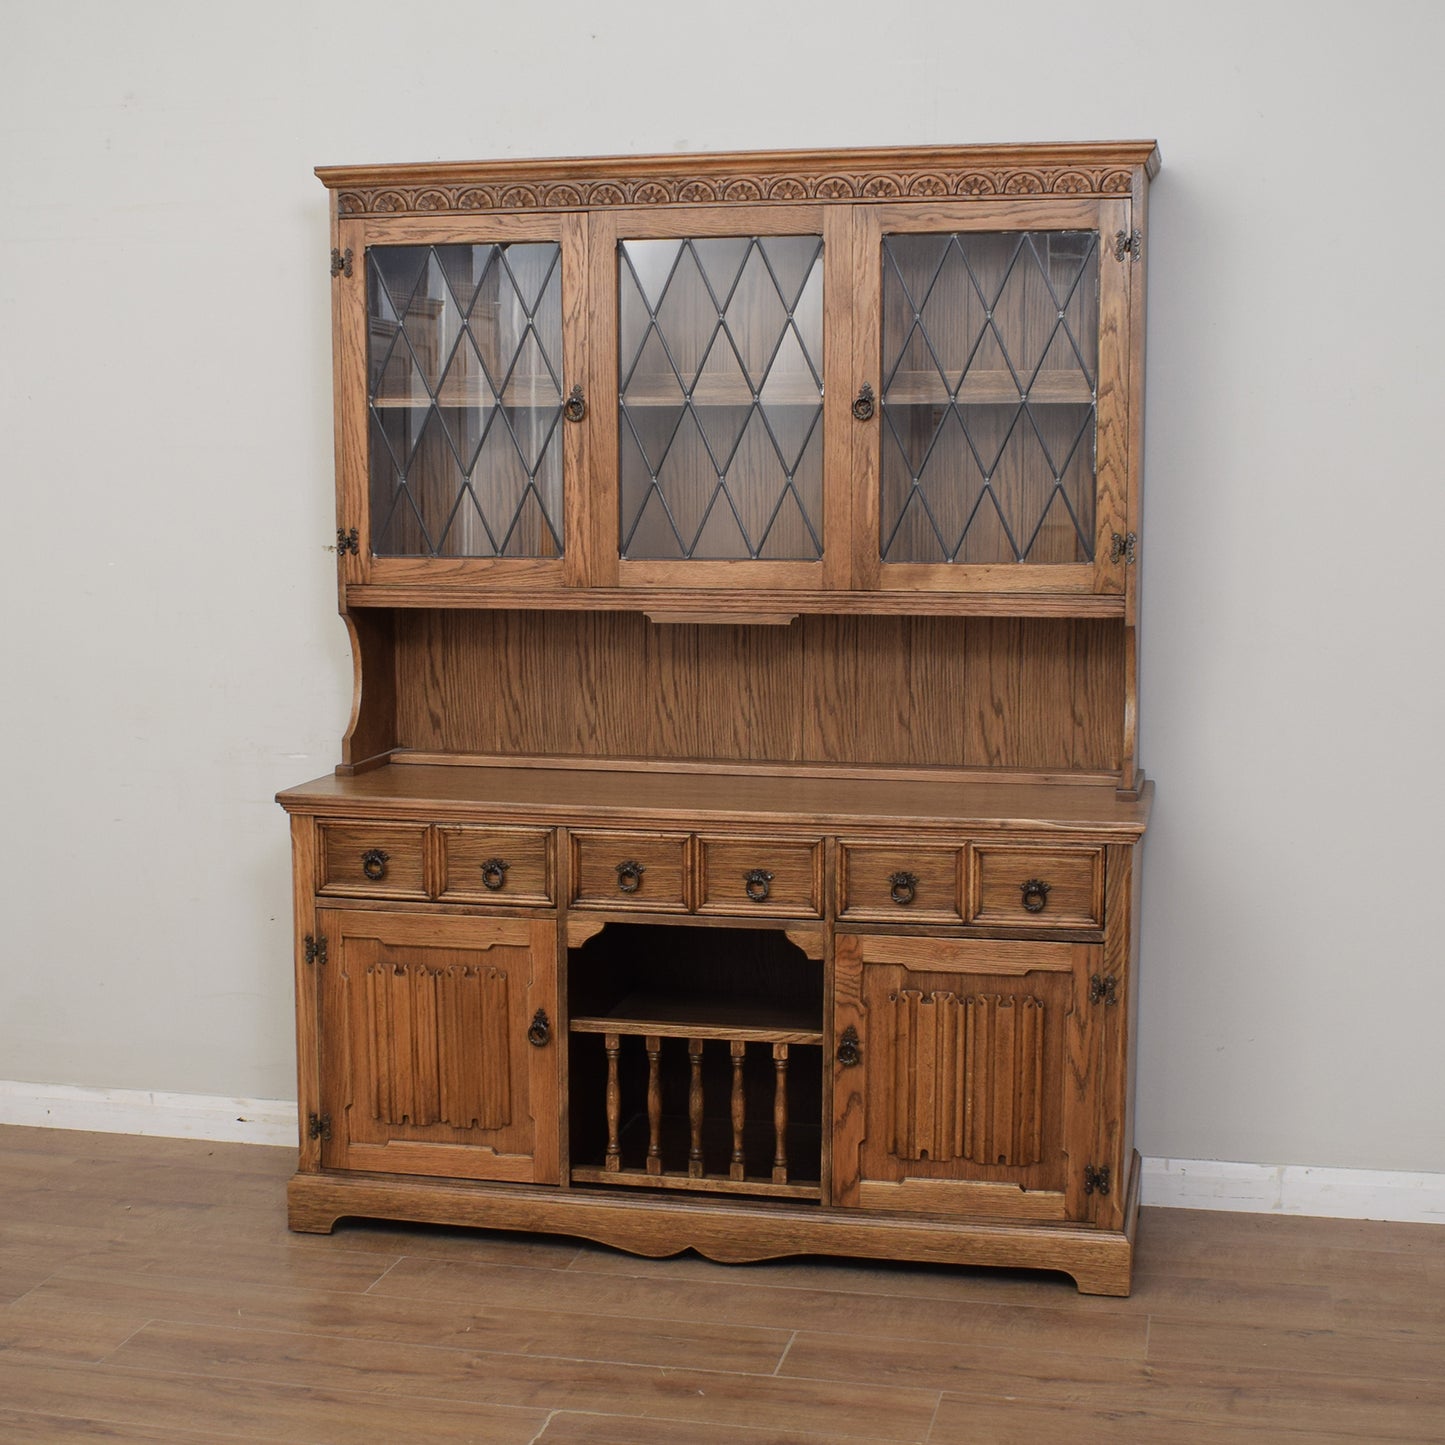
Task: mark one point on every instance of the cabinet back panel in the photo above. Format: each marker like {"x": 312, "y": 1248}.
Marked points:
{"x": 1034, "y": 694}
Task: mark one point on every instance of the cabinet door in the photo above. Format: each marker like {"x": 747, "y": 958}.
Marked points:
{"x": 713, "y": 330}
{"x": 457, "y": 349}
{"x": 965, "y": 1081}
{"x": 992, "y": 454}
{"x": 434, "y": 1059}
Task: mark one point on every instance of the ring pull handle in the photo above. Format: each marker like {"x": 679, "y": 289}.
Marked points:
{"x": 373, "y": 863}
{"x": 757, "y": 883}
{"x": 540, "y": 1030}
{"x": 494, "y": 873}
{"x": 903, "y": 888}
{"x": 850, "y": 1051}
{"x": 629, "y": 876}
{"x": 864, "y": 404}
{"x": 1036, "y": 895}
{"x": 575, "y": 407}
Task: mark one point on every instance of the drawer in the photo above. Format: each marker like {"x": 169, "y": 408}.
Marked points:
{"x": 498, "y": 865}
{"x": 761, "y": 875}
{"x": 642, "y": 871}
{"x": 1041, "y": 887}
{"x": 900, "y": 883}
{"x": 374, "y": 860}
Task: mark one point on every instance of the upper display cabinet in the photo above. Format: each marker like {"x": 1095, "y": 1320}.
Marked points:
{"x": 833, "y": 381}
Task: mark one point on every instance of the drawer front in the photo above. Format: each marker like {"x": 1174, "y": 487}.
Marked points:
{"x": 1040, "y": 887}
{"x": 497, "y": 865}
{"x": 642, "y": 871}
{"x": 374, "y": 860}
{"x": 761, "y": 875}
{"x": 900, "y": 883}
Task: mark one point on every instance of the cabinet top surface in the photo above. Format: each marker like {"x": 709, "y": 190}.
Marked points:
{"x": 874, "y": 173}
{"x": 679, "y": 799}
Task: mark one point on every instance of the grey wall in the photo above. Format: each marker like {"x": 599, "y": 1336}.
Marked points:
{"x": 171, "y": 654}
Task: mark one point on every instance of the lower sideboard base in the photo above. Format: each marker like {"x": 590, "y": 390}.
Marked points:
{"x": 729, "y": 1231}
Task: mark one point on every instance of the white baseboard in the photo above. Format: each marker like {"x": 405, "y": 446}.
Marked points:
{"x": 1167, "y": 1183}
{"x": 141, "y": 1111}
{"x": 1294, "y": 1189}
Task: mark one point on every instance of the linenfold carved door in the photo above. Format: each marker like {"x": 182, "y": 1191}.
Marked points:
{"x": 436, "y": 1049}
{"x": 965, "y": 1085}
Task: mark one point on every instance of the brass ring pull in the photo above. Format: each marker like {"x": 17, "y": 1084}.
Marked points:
{"x": 629, "y": 876}
{"x": 903, "y": 888}
{"x": 494, "y": 873}
{"x": 575, "y": 407}
{"x": 863, "y": 403}
{"x": 540, "y": 1030}
{"x": 756, "y": 883}
{"x": 850, "y": 1051}
{"x": 373, "y": 863}
{"x": 1036, "y": 894}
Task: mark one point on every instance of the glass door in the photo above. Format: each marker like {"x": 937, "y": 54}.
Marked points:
{"x": 993, "y": 348}
{"x": 456, "y": 374}
{"x": 715, "y": 355}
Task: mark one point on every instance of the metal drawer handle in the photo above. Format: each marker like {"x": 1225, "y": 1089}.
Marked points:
{"x": 903, "y": 888}
{"x": 373, "y": 863}
{"x": 541, "y": 1029}
{"x": 629, "y": 876}
{"x": 756, "y": 883}
{"x": 575, "y": 407}
{"x": 494, "y": 873}
{"x": 1036, "y": 895}
{"x": 863, "y": 403}
{"x": 850, "y": 1051}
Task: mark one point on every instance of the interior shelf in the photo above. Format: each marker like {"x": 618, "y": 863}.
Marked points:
{"x": 670, "y": 1017}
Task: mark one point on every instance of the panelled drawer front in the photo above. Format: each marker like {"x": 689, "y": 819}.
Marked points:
{"x": 498, "y": 865}
{"x": 374, "y": 860}
{"x": 632, "y": 870}
{"x": 900, "y": 883}
{"x": 1041, "y": 887}
{"x": 761, "y": 875}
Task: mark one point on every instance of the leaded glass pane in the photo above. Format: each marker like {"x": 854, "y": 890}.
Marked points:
{"x": 990, "y": 366}
{"x": 465, "y": 397}
{"x": 721, "y": 402}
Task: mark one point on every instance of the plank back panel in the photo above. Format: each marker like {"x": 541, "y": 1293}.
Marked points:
{"x": 1038, "y": 694}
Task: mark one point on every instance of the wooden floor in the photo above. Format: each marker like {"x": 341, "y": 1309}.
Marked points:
{"x": 149, "y": 1291}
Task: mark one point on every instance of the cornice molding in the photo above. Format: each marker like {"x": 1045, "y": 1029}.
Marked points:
{"x": 957, "y": 173}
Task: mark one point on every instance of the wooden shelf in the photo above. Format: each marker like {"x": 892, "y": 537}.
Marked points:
{"x": 671, "y": 1017}
{"x": 989, "y": 388}
{"x": 476, "y": 399}
{"x": 717, "y": 391}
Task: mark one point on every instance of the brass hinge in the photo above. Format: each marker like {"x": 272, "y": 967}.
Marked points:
{"x": 341, "y": 262}
{"x": 314, "y": 948}
{"x": 1126, "y": 243}
{"x": 1103, "y": 990}
{"x": 318, "y": 1126}
{"x": 348, "y": 541}
{"x": 1124, "y": 548}
{"x": 1096, "y": 1181}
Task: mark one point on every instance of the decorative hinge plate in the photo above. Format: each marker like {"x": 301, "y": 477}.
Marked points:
{"x": 1124, "y": 547}
{"x": 349, "y": 541}
{"x": 341, "y": 262}
{"x": 1096, "y": 1181}
{"x": 1104, "y": 990}
{"x": 314, "y": 948}
{"x": 318, "y": 1126}
{"x": 1126, "y": 243}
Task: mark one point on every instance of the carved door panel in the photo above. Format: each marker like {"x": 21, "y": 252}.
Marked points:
{"x": 967, "y": 1082}
{"x": 436, "y": 1048}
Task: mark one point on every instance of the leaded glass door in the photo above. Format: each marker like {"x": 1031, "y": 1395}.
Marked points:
{"x": 457, "y": 364}
{"x": 994, "y": 344}
{"x": 712, "y": 354}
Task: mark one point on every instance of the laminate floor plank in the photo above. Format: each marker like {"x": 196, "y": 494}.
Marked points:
{"x": 567, "y": 1427}
{"x": 393, "y": 1370}
{"x": 477, "y": 1325}
{"x": 150, "y": 1291}
{"x": 253, "y": 1410}
{"x": 872, "y": 1315}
